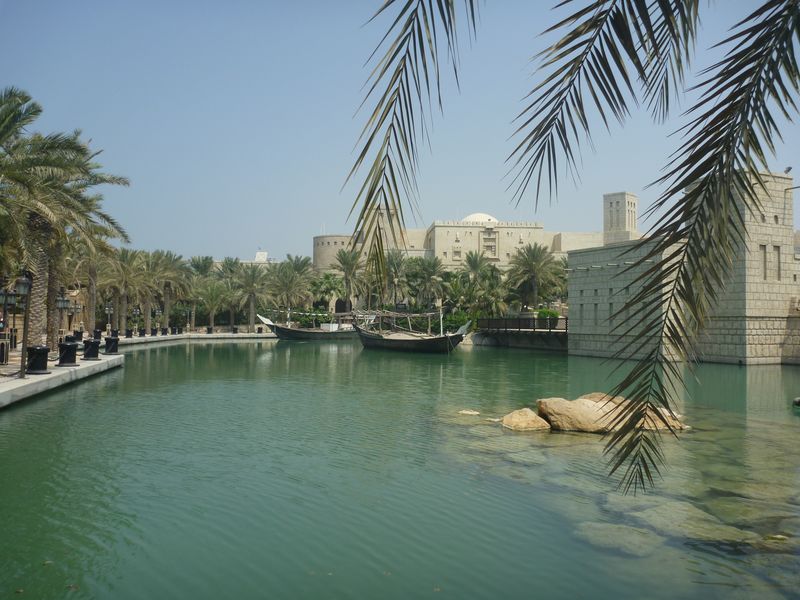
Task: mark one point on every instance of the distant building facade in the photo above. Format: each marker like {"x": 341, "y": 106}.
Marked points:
{"x": 757, "y": 317}
{"x": 479, "y": 232}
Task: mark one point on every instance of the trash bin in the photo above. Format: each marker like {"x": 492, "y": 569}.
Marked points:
{"x": 67, "y": 352}
{"x": 37, "y": 360}
{"x": 5, "y": 348}
{"x": 91, "y": 349}
{"x": 112, "y": 345}
{"x": 209, "y": 330}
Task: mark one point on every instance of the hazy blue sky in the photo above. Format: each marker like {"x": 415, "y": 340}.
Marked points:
{"x": 235, "y": 122}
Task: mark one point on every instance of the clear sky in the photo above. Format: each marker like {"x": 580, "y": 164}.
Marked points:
{"x": 235, "y": 120}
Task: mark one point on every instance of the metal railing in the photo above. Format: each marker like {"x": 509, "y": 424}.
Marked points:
{"x": 551, "y": 324}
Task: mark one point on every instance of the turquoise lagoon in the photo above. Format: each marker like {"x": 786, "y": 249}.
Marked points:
{"x": 301, "y": 470}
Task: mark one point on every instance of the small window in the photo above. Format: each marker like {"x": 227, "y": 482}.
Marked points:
{"x": 595, "y": 313}
{"x": 595, "y": 292}
{"x": 777, "y": 251}
{"x": 763, "y": 251}
{"x": 763, "y": 218}
{"x": 581, "y": 293}
{"x": 610, "y": 292}
{"x": 777, "y": 220}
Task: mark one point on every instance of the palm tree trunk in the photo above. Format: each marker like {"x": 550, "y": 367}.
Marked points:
{"x": 232, "y": 312}
{"x": 37, "y": 333}
{"x": 194, "y": 314}
{"x": 146, "y": 308}
{"x": 167, "y": 308}
{"x": 252, "y": 320}
{"x": 115, "y": 314}
{"x": 91, "y": 298}
{"x": 211, "y": 319}
{"x": 123, "y": 312}
{"x": 53, "y": 314}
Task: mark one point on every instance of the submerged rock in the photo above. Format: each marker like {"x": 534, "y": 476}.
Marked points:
{"x": 527, "y": 458}
{"x": 469, "y": 412}
{"x": 597, "y": 413}
{"x": 632, "y": 541}
{"x": 677, "y": 518}
{"x": 525, "y": 419}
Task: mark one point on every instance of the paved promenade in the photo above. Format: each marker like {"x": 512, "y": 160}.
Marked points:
{"x": 13, "y": 389}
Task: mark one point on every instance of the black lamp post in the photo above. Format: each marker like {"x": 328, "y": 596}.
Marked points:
{"x": 109, "y": 310}
{"x": 23, "y": 288}
{"x": 136, "y": 312}
{"x": 62, "y": 304}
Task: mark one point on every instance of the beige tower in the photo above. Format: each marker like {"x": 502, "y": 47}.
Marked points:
{"x": 620, "y": 212}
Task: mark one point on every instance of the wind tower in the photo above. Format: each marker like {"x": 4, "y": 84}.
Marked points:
{"x": 620, "y": 213}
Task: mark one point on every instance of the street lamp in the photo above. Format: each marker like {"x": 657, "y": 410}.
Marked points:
{"x": 23, "y": 288}
{"x": 158, "y": 317}
{"x": 62, "y": 304}
{"x": 109, "y": 310}
{"x": 136, "y": 313}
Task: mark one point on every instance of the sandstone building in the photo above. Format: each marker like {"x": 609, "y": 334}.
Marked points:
{"x": 757, "y": 318}
{"x": 479, "y": 232}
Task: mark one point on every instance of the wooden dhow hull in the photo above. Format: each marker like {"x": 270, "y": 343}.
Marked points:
{"x": 440, "y": 344}
{"x": 311, "y": 335}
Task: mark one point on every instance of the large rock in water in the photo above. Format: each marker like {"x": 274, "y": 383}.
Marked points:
{"x": 525, "y": 419}
{"x": 596, "y": 413}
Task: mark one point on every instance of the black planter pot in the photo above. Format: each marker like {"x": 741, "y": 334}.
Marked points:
{"x": 209, "y": 330}
{"x": 260, "y": 330}
{"x": 37, "y": 360}
{"x": 173, "y": 330}
{"x": 115, "y": 333}
{"x": 112, "y": 345}
{"x": 142, "y": 331}
{"x": 91, "y": 349}
{"x": 67, "y": 352}
{"x": 153, "y": 331}
{"x": 164, "y": 331}
{"x": 234, "y": 329}
{"x": 129, "y": 333}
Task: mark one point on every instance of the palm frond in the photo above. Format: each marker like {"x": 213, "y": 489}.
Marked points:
{"x": 607, "y": 47}
{"x": 404, "y": 82}
{"x": 712, "y": 184}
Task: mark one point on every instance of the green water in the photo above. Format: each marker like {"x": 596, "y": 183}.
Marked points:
{"x": 291, "y": 470}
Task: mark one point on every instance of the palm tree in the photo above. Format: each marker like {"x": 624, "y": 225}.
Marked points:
{"x": 124, "y": 274}
{"x": 617, "y": 55}
{"x": 328, "y": 288}
{"x": 426, "y": 280}
{"x": 172, "y": 277}
{"x": 476, "y": 267}
{"x": 288, "y": 288}
{"x": 348, "y": 263}
{"x": 396, "y": 274}
{"x": 251, "y": 285}
{"x": 201, "y": 265}
{"x": 213, "y": 295}
{"x": 532, "y": 270}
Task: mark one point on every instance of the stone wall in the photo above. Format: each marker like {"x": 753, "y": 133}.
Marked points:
{"x": 756, "y": 318}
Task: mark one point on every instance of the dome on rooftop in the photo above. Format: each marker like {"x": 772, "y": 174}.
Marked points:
{"x": 479, "y": 218}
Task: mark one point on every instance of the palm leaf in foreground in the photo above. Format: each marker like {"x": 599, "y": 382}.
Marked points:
{"x": 403, "y": 81}
{"x": 589, "y": 68}
{"x": 712, "y": 183}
